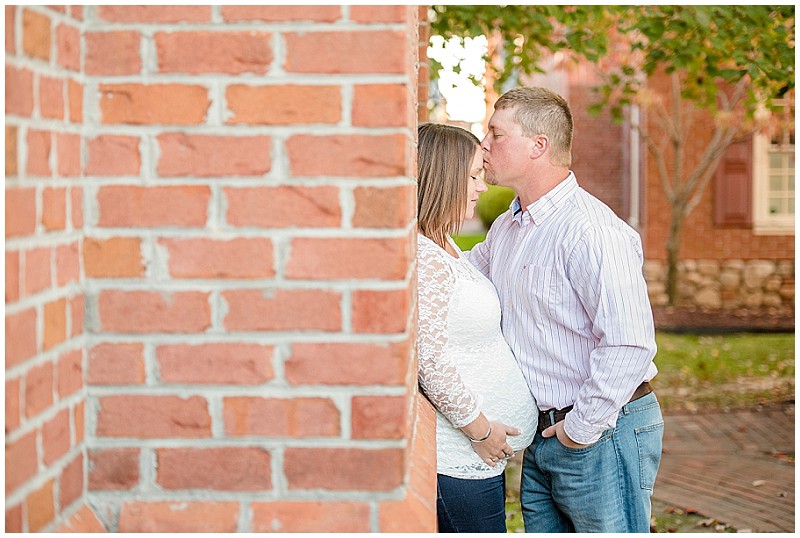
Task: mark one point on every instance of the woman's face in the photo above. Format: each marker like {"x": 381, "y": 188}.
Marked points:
{"x": 475, "y": 185}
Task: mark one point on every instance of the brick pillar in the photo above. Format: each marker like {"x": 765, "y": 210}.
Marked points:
{"x": 249, "y": 255}
{"x": 44, "y": 374}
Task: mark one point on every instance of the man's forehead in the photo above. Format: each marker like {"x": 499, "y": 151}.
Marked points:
{"x": 502, "y": 117}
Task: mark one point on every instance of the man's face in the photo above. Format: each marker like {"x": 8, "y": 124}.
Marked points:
{"x": 505, "y": 149}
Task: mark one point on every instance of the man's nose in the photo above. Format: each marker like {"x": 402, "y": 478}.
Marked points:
{"x": 485, "y": 143}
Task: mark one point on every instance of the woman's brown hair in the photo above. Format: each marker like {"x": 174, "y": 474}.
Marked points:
{"x": 444, "y": 157}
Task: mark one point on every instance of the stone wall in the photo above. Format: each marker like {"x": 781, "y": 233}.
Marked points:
{"x": 727, "y": 284}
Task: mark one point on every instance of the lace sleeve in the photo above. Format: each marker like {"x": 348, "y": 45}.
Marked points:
{"x": 438, "y": 373}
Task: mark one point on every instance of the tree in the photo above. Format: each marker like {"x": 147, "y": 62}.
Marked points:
{"x": 724, "y": 62}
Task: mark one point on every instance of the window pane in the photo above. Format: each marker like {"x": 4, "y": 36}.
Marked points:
{"x": 774, "y": 160}
{"x": 791, "y": 206}
{"x": 775, "y": 206}
{"x": 775, "y": 183}
{"x": 791, "y": 182}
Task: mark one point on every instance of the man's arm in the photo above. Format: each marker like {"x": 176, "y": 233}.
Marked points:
{"x": 606, "y": 272}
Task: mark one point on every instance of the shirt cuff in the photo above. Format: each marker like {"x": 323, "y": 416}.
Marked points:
{"x": 581, "y": 432}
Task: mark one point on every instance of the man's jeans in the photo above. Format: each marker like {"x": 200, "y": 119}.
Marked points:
{"x": 604, "y": 487}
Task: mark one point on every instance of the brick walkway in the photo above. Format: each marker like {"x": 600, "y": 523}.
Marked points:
{"x": 736, "y": 467}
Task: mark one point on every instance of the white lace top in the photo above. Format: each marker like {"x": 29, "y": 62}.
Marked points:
{"x": 465, "y": 365}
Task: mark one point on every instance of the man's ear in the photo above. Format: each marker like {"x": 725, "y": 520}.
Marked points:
{"x": 539, "y": 146}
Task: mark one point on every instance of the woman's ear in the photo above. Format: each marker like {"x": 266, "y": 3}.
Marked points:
{"x": 539, "y": 145}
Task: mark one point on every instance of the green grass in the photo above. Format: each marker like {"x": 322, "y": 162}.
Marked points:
{"x": 723, "y": 371}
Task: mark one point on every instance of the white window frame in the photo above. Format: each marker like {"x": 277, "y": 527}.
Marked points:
{"x": 765, "y": 223}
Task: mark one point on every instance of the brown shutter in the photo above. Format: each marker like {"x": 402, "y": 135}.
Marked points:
{"x": 733, "y": 186}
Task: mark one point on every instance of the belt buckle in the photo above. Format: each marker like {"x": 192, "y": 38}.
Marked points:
{"x": 551, "y": 415}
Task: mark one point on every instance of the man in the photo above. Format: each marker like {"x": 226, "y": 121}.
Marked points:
{"x": 576, "y": 314}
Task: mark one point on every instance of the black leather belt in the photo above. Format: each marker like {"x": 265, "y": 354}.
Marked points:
{"x": 552, "y": 416}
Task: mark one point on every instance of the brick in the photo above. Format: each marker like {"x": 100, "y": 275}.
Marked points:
{"x": 381, "y": 105}
{"x": 68, "y": 155}
{"x": 55, "y": 323}
{"x": 142, "y": 312}
{"x": 343, "y": 469}
{"x": 215, "y": 364}
{"x": 11, "y": 15}
{"x": 40, "y": 507}
{"x": 242, "y": 258}
{"x": 113, "y": 469}
{"x": 348, "y": 258}
{"x": 422, "y": 459}
{"x": 230, "y": 53}
{"x": 284, "y": 206}
{"x": 113, "y": 53}
{"x": 310, "y": 516}
{"x": 280, "y": 417}
{"x": 12, "y": 404}
{"x": 76, "y": 198}
{"x": 68, "y": 265}
{"x": 23, "y": 346}
{"x": 147, "y": 207}
{"x": 169, "y": 104}
{"x": 153, "y": 417}
{"x": 70, "y": 373}
{"x": 19, "y": 91}
{"x": 284, "y": 104}
{"x": 51, "y": 98}
{"x": 38, "y": 389}
{"x": 20, "y": 212}
{"x": 13, "y": 514}
{"x": 114, "y": 155}
{"x": 381, "y": 311}
{"x": 379, "y": 417}
{"x": 75, "y": 96}
{"x": 410, "y": 515}
{"x": 37, "y": 270}
{"x": 283, "y": 310}
{"x": 216, "y": 469}
{"x": 76, "y": 308}
{"x": 36, "y": 34}
{"x": 348, "y": 364}
{"x": 78, "y": 420}
{"x": 68, "y": 43}
{"x": 84, "y": 519}
{"x": 378, "y": 52}
{"x": 12, "y": 164}
{"x": 21, "y": 458}
{"x": 55, "y": 437}
{"x": 116, "y": 257}
{"x": 116, "y": 364}
{"x": 155, "y": 14}
{"x": 71, "y": 482}
{"x": 208, "y": 156}
{"x": 54, "y": 209}
{"x": 384, "y": 207}
{"x": 347, "y": 155}
{"x": 274, "y": 13}
{"x": 12, "y": 276}
{"x": 76, "y": 12}
{"x": 381, "y": 13}
{"x": 39, "y": 147}
{"x": 184, "y": 516}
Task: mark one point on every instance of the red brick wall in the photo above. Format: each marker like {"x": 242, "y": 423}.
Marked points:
{"x": 247, "y": 243}
{"x": 702, "y": 239}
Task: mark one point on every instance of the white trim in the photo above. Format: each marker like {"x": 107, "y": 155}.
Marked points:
{"x": 763, "y": 222}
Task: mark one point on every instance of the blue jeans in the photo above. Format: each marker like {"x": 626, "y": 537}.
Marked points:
{"x": 464, "y": 505}
{"x": 604, "y": 487}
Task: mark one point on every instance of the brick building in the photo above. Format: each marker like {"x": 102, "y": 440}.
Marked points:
{"x": 210, "y": 290}
{"x": 737, "y": 250}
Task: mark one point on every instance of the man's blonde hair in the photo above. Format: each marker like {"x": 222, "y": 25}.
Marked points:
{"x": 541, "y": 111}
{"x": 444, "y": 158}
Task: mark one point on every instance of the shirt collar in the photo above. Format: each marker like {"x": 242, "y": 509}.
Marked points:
{"x": 547, "y": 205}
